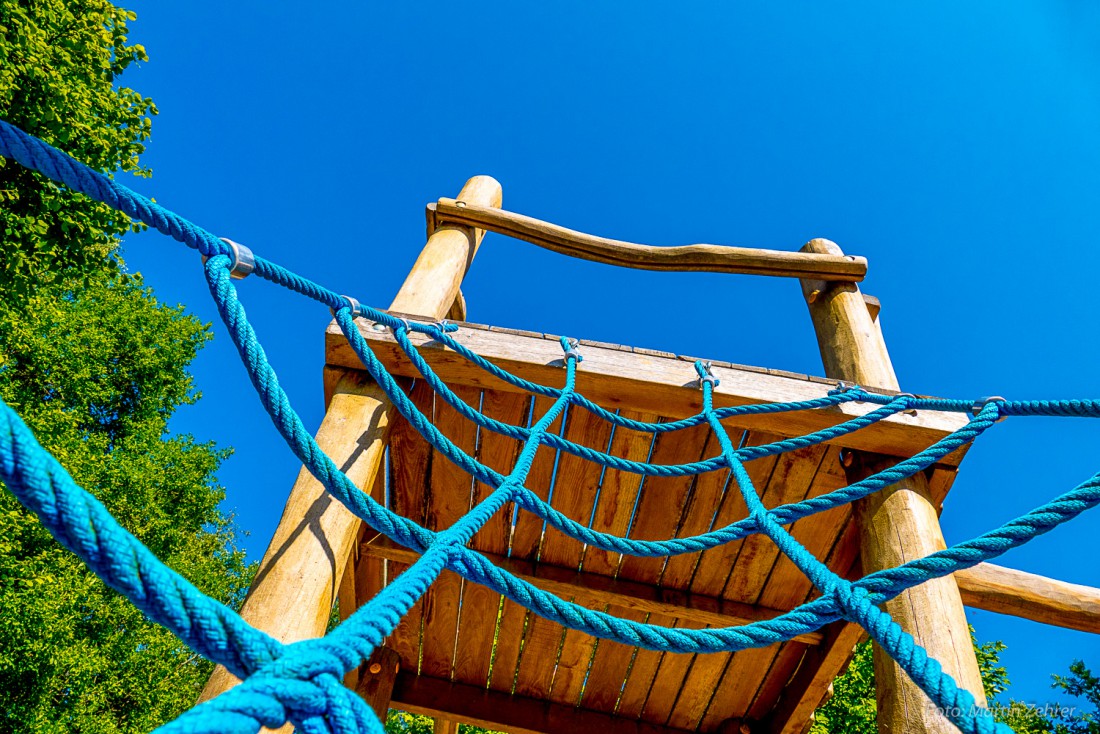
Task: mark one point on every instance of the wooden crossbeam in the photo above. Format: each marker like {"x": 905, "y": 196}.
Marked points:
{"x": 1020, "y": 594}
{"x": 653, "y": 382}
{"x": 592, "y": 589}
{"x": 501, "y": 712}
{"x": 690, "y": 258}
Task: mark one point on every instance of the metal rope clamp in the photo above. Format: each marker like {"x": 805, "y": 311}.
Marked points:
{"x": 708, "y": 376}
{"x": 980, "y": 404}
{"x": 243, "y": 261}
{"x": 910, "y": 410}
{"x": 572, "y": 351}
{"x": 352, "y": 304}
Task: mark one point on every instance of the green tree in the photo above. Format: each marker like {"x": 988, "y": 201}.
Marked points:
{"x": 96, "y": 371}
{"x": 1080, "y": 683}
{"x": 852, "y": 708}
{"x": 402, "y": 722}
{"x": 59, "y": 62}
{"x": 96, "y": 366}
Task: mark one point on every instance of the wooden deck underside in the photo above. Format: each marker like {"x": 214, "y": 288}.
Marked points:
{"x": 469, "y": 636}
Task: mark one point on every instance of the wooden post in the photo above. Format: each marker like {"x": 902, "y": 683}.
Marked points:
{"x": 897, "y": 524}
{"x": 445, "y": 726}
{"x": 379, "y": 675}
{"x": 292, "y": 594}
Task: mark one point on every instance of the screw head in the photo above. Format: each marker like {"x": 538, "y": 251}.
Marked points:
{"x": 375, "y": 668}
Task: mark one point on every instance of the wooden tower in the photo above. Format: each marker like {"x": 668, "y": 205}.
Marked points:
{"x": 465, "y": 654}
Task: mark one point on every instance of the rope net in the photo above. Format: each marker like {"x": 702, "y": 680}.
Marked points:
{"x": 301, "y": 683}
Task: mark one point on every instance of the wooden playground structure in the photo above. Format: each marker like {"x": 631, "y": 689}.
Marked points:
{"x": 466, "y": 654}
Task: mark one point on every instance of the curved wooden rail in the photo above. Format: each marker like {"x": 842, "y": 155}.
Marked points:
{"x": 690, "y": 258}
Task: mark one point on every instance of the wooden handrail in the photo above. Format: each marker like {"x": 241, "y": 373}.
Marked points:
{"x": 689, "y": 258}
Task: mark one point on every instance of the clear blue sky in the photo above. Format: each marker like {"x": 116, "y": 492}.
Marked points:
{"x": 958, "y": 149}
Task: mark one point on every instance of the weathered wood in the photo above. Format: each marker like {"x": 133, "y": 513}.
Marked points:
{"x": 897, "y": 524}
{"x": 1027, "y": 595}
{"x": 292, "y": 594}
{"x": 663, "y": 384}
{"x": 500, "y": 712}
{"x": 379, "y": 676}
{"x": 691, "y": 258}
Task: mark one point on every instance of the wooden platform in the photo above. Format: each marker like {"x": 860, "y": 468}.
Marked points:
{"x": 470, "y": 654}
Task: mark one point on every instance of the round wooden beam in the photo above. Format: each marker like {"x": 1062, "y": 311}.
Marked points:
{"x": 898, "y": 523}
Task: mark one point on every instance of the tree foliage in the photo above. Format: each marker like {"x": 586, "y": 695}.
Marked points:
{"x": 59, "y": 61}
{"x": 852, "y": 707}
{"x": 96, "y": 372}
{"x": 96, "y": 367}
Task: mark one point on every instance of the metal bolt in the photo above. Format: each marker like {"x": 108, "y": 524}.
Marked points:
{"x": 375, "y": 668}
{"x": 460, "y": 203}
{"x": 847, "y": 458}
{"x": 813, "y": 296}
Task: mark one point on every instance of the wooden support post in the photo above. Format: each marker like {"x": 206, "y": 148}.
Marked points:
{"x": 897, "y": 524}
{"x": 445, "y": 726}
{"x": 379, "y": 675}
{"x": 291, "y": 597}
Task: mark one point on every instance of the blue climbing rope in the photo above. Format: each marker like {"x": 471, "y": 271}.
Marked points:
{"x": 301, "y": 683}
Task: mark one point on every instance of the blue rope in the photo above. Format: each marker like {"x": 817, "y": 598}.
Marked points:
{"x": 301, "y": 682}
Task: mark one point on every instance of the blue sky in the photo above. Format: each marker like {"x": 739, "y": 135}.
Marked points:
{"x": 957, "y": 149}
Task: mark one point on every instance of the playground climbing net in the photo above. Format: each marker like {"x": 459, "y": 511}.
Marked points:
{"x": 301, "y": 682}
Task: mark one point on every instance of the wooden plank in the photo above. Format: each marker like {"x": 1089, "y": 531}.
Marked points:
{"x": 610, "y": 667}
{"x": 690, "y": 258}
{"x": 659, "y": 511}
{"x": 714, "y": 567}
{"x": 788, "y": 586}
{"x": 575, "y": 492}
{"x": 619, "y": 493}
{"x": 897, "y": 524}
{"x": 703, "y": 504}
{"x": 662, "y": 500}
{"x": 450, "y": 490}
{"x": 1027, "y": 595}
{"x": 499, "y": 712}
{"x": 576, "y": 657}
{"x": 597, "y": 589}
{"x": 699, "y": 673}
{"x": 526, "y": 536}
{"x": 663, "y": 385}
{"x": 667, "y": 684}
{"x": 410, "y": 468}
{"x": 642, "y": 675}
{"x": 790, "y": 482}
{"x": 541, "y": 642}
{"x": 474, "y": 651}
{"x": 613, "y": 513}
{"x": 744, "y": 671}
